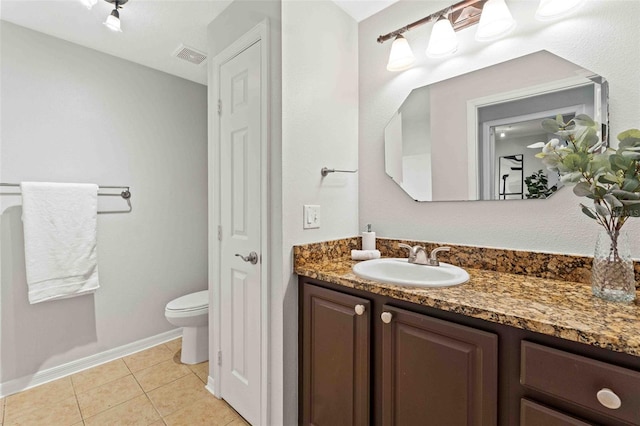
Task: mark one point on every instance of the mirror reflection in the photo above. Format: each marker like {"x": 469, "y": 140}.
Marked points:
{"x": 475, "y": 136}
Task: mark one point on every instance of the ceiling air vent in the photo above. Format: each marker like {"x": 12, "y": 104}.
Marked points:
{"x": 190, "y": 54}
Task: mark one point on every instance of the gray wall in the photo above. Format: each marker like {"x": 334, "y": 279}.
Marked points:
{"x": 71, "y": 114}
{"x": 601, "y": 37}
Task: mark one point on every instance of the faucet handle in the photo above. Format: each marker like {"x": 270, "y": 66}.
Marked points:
{"x": 406, "y": 246}
{"x": 412, "y": 253}
{"x": 433, "y": 257}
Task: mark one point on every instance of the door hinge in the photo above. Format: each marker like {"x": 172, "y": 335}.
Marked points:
{"x": 219, "y": 233}
{"x": 219, "y": 357}
{"x": 219, "y": 106}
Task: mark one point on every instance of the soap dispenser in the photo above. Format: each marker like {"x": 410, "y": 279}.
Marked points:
{"x": 368, "y": 239}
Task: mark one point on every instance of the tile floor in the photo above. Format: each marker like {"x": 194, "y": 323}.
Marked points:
{"x": 150, "y": 387}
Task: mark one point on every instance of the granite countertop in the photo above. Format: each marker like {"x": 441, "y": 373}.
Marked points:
{"x": 560, "y": 308}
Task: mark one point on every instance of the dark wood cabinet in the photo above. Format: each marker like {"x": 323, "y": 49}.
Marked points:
{"x": 335, "y": 358}
{"x": 436, "y": 372}
{"x": 403, "y": 364}
{"x": 433, "y": 372}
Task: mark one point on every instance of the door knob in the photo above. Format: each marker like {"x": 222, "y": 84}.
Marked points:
{"x": 252, "y": 258}
{"x": 359, "y": 309}
{"x": 386, "y": 317}
{"x": 608, "y": 398}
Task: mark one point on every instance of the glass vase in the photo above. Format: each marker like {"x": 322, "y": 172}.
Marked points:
{"x": 612, "y": 275}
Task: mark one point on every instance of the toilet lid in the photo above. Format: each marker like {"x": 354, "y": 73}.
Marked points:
{"x": 193, "y": 301}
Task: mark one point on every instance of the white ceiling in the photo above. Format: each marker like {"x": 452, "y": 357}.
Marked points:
{"x": 362, "y": 9}
{"x": 151, "y": 29}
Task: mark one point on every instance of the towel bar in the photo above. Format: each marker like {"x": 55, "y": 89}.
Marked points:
{"x": 126, "y": 193}
{"x": 325, "y": 171}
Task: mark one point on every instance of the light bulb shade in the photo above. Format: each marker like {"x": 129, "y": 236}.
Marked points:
{"x": 401, "y": 56}
{"x": 89, "y": 3}
{"x": 495, "y": 21}
{"x": 113, "y": 21}
{"x": 555, "y": 9}
{"x": 443, "y": 39}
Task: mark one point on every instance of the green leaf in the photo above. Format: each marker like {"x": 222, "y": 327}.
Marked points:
{"x": 584, "y": 120}
{"x": 618, "y": 162}
{"x": 632, "y": 155}
{"x": 629, "y": 134}
{"x": 576, "y": 161}
{"x": 625, "y": 195}
{"x": 608, "y": 178}
{"x": 572, "y": 177}
{"x": 631, "y": 185}
{"x": 601, "y": 210}
{"x": 550, "y": 125}
{"x": 629, "y": 202}
{"x": 586, "y": 137}
{"x": 586, "y": 210}
{"x": 582, "y": 189}
{"x": 612, "y": 200}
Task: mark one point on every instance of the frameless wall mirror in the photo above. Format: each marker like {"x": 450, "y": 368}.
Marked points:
{"x": 470, "y": 137}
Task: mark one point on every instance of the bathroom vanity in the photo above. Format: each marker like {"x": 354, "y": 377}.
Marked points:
{"x": 504, "y": 348}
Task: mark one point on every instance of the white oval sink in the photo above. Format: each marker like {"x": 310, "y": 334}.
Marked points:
{"x": 399, "y": 271}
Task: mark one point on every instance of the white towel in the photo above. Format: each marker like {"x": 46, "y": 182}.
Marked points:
{"x": 365, "y": 254}
{"x": 60, "y": 241}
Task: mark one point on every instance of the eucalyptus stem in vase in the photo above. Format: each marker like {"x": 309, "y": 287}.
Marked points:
{"x": 611, "y": 178}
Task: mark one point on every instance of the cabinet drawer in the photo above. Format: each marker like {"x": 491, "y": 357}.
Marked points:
{"x": 578, "y": 380}
{"x": 532, "y": 414}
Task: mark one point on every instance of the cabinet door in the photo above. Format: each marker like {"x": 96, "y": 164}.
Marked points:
{"x": 437, "y": 373}
{"x": 335, "y": 358}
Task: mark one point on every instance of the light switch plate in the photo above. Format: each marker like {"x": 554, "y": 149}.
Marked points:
{"x": 311, "y": 217}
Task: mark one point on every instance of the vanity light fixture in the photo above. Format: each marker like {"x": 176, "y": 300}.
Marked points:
{"x": 493, "y": 15}
{"x": 554, "y": 9}
{"x": 113, "y": 20}
{"x": 401, "y": 56}
{"x": 443, "y": 40}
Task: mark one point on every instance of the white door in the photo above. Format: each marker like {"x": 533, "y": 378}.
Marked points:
{"x": 240, "y": 210}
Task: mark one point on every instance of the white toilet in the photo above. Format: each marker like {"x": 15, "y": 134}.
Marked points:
{"x": 191, "y": 312}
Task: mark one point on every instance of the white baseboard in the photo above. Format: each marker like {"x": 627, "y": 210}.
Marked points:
{"x": 60, "y": 371}
{"x": 210, "y": 386}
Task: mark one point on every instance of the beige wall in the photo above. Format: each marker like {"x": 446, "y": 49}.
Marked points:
{"x": 602, "y": 37}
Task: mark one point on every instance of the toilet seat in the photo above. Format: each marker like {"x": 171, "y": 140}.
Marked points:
{"x": 193, "y": 303}
{"x": 186, "y": 313}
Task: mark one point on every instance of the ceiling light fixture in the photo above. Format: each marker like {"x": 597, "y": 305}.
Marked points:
{"x": 113, "y": 20}
{"x": 443, "y": 40}
{"x": 496, "y": 21}
{"x": 554, "y": 9}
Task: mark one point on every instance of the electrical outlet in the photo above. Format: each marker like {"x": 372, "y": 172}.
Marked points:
{"x": 311, "y": 217}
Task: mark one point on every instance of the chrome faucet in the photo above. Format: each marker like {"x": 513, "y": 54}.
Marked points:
{"x": 418, "y": 255}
